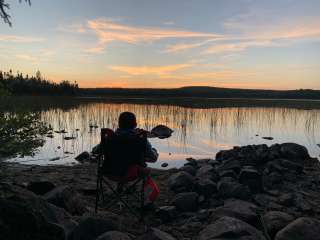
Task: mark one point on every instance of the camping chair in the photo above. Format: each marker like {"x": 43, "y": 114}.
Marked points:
{"x": 116, "y": 154}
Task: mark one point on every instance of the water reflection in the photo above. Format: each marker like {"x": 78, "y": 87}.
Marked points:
{"x": 199, "y": 133}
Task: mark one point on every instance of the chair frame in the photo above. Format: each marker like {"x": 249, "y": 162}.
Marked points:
{"x": 118, "y": 193}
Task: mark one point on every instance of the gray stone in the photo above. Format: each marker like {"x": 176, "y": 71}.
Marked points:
{"x": 66, "y": 197}
{"x": 84, "y": 156}
{"x": 251, "y": 178}
{"x": 156, "y": 234}
{"x": 189, "y": 169}
{"x": 181, "y": 182}
{"x": 301, "y": 229}
{"x": 276, "y": 220}
{"x": 114, "y": 235}
{"x": 90, "y": 228}
{"x": 233, "y": 189}
{"x": 294, "y": 152}
{"x": 230, "y": 228}
{"x": 167, "y": 213}
{"x": 187, "y": 201}
{"x": 206, "y": 187}
{"x": 239, "y": 209}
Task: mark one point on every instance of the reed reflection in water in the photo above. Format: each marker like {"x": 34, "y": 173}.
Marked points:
{"x": 199, "y": 133}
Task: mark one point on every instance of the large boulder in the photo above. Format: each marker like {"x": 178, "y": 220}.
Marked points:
{"x": 206, "y": 171}
{"x": 230, "y": 164}
{"x": 156, "y": 234}
{"x": 230, "y": 228}
{"x": 206, "y": 187}
{"x": 167, "y": 213}
{"x": 90, "y": 228}
{"x": 66, "y": 197}
{"x": 239, "y": 209}
{"x": 187, "y": 201}
{"x": 82, "y": 157}
{"x": 251, "y": 178}
{"x": 23, "y": 215}
{"x": 294, "y": 152}
{"x": 275, "y": 221}
{"x": 228, "y": 188}
{"x": 301, "y": 229}
{"x": 189, "y": 169}
{"x": 181, "y": 182}
{"x": 114, "y": 235}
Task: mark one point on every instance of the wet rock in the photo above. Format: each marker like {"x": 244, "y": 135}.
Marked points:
{"x": 162, "y": 131}
{"x": 187, "y": 201}
{"x": 189, "y": 169}
{"x": 82, "y": 157}
{"x": 90, "y": 228}
{"x": 164, "y": 165}
{"x": 268, "y": 138}
{"x": 207, "y": 172}
{"x": 191, "y": 161}
{"x": 294, "y": 152}
{"x": 231, "y": 189}
{"x": 206, "y": 187}
{"x": 300, "y": 229}
{"x": 230, "y": 228}
{"x": 40, "y": 187}
{"x": 67, "y": 198}
{"x": 181, "y": 182}
{"x": 156, "y": 234}
{"x": 114, "y": 235}
{"x": 239, "y": 209}
{"x": 167, "y": 213}
{"x": 251, "y": 178}
{"x": 276, "y": 220}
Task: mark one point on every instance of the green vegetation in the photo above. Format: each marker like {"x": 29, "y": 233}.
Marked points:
{"x": 17, "y": 84}
{"x": 20, "y": 133}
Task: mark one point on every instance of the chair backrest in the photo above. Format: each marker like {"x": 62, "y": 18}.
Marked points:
{"x": 122, "y": 151}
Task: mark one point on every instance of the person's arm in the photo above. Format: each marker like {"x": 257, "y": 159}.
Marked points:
{"x": 151, "y": 154}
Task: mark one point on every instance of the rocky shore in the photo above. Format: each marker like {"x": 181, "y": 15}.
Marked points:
{"x": 253, "y": 192}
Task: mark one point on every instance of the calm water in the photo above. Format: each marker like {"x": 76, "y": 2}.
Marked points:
{"x": 198, "y": 133}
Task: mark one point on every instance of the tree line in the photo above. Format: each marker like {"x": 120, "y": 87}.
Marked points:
{"x": 19, "y": 84}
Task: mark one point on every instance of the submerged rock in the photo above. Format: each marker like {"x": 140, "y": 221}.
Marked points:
{"x": 162, "y": 131}
{"x": 84, "y": 156}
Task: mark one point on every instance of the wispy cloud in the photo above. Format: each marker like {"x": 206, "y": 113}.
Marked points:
{"x": 73, "y": 28}
{"x": 20, "y": 39}
{"x": 150, "y": 70}
{"x": 237, "y": 47}
{"x": 108, "y": 31}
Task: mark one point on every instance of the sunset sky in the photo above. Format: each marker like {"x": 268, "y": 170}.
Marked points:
{"x": 272, "y": 44}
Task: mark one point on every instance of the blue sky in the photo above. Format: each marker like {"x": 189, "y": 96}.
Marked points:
{"x": 147, "y": 43}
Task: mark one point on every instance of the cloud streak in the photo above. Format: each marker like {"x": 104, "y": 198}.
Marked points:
{"x": 150, "y": 70}
{"x": 20, "y": 39}
{"x": 108, "y": 31}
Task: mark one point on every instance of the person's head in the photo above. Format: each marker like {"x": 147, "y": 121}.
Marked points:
{"x": 127, "y": 120}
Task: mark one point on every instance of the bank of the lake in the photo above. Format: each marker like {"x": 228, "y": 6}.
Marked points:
{"x": 252, "y": 192}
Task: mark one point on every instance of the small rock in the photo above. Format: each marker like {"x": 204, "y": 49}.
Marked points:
{"x": 156, "y": 234}
{"x": 268, "y": 138}
{"x": 167, "y": 213}
{"x": 67, "y": 198}
{"x": 206, "y": 187}
{"x": 114, "y": 235}
{"x": 164, "y": 165}
{"x": 187, "y": 201}
{"x": 181, "y": 182}
{"x": 90, "y": 228}
{"x": 251, "y": 178}
{"x": 84, "y": 156}
{"x": 232, "y": 189}
{"x": 189, "y": 169}
{"x": 301, "y": 229}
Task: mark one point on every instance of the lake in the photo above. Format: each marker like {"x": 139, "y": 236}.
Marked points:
{"x": 201, "y": 129}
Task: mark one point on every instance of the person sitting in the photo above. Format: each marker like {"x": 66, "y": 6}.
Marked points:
{"x": 132, "y": 151}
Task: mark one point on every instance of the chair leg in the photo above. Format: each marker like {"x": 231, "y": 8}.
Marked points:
{"x": 97, "y": 194}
